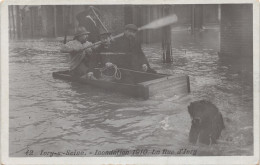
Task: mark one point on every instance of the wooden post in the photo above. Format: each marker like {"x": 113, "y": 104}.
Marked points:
{"x": 219, "y": 13}
{"x": 202, "y": 17}
{"x": 74, "y": 22}
{"x": 64, "y": 26}
{"x": 199, "y": 17}
{"x": 196, "y": 18}
{"x": 18, "y": 18}
{"x": 66, "y": 23}
{"x": 22, "y": 11}
{"x": 148, "y": 19}
{"x": 13, "y": 21}
{"x": 192, "y": 19}
{"x": 55, "y": 21}
{"x": 166, "y": 39}
{"x": 10, "y": 25}
{"x": 32, "y": 22}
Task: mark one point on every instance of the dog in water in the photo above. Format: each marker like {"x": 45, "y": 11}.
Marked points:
{"x": 207, "y": 122}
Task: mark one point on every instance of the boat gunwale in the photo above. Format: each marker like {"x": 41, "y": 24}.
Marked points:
{"x": 142, "y": 88}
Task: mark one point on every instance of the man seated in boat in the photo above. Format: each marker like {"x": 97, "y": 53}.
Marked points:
{"x": 105, "y": 39}
{"x": 129, "y": 44}
{"x": 96, "y": 60}
{"x": 80, "y": 50}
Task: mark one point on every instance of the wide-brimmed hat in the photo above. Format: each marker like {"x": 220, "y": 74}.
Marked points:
{"x": 131, "y": 27}
{"x": 81, "y": 31}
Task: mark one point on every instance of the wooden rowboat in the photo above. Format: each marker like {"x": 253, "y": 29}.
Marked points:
{"x": 145, "y": 85}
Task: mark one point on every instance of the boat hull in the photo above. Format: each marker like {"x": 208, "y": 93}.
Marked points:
{"x": 145, "y": 85}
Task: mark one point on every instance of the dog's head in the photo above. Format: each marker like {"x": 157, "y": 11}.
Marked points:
{"x": 201, "y": 111}
{"x": 196, "y": 110}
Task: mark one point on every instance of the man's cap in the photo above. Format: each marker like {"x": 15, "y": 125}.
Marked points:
{"x": 81, "y": 31}
{"x": 131, "y": 27}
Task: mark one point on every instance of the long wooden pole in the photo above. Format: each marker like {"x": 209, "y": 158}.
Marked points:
{"x": 99, "y": 19}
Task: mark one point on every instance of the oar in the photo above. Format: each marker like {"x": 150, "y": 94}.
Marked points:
{"x": 165, "y": 21}
{"x": 162, "y": 22}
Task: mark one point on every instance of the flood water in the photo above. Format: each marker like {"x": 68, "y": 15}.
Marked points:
{"x": 51, "y": 115}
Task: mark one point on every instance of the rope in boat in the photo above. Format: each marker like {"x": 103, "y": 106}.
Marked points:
{"x": 116, "y": 74}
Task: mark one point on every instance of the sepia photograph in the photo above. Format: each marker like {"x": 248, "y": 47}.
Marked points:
{"x": 130, "y": 80}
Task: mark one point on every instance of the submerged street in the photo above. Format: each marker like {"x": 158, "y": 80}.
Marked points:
{"x": 56, "y": 116}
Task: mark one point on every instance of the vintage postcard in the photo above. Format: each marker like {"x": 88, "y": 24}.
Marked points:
{"x": 129, "y": 82}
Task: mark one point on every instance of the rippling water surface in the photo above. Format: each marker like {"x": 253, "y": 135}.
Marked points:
{"x": 54, "y": 115}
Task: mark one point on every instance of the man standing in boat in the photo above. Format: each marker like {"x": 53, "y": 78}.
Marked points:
{"x": 80, "y": 50}
{"x": 128, "y": 44}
